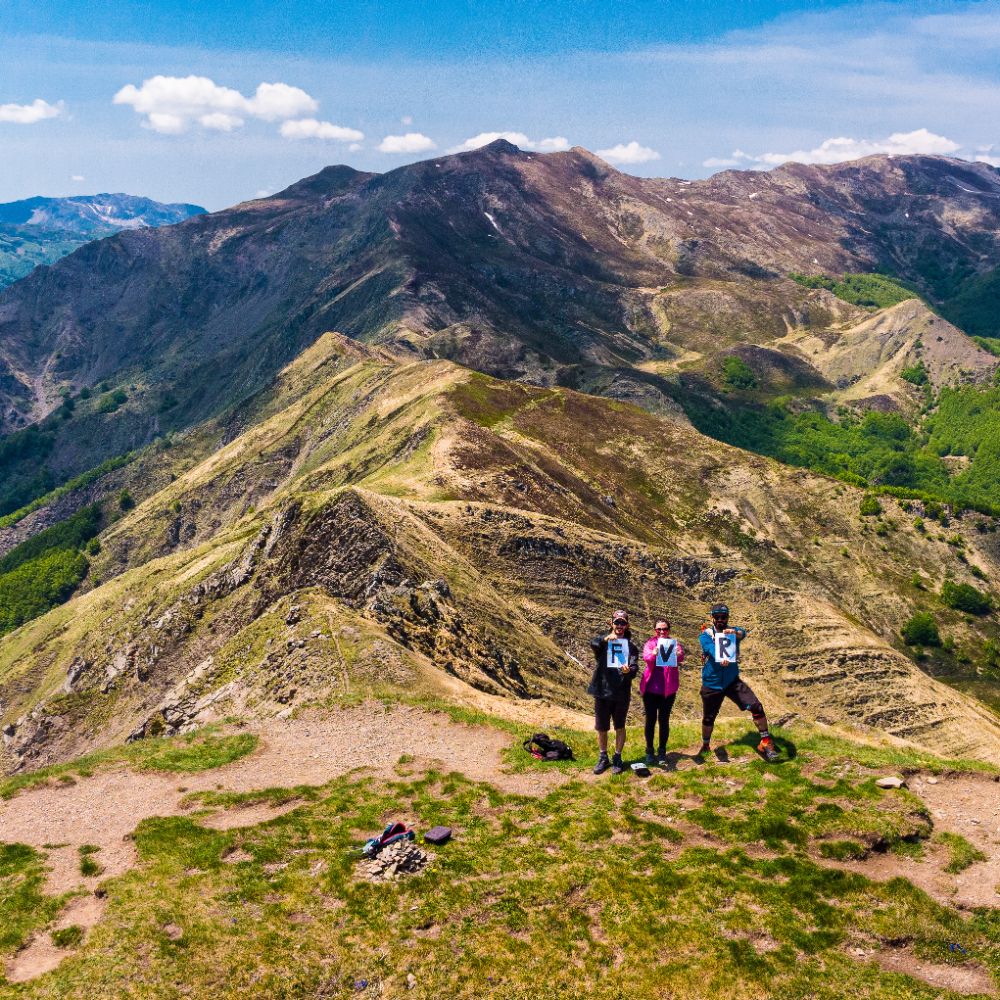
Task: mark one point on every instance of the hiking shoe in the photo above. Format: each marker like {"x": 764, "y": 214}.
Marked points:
{"x": 650, "y": 758}
{"x": 661, "y": 756}
{"x": 617, "y": 767}
{"x": 703, "y": 750}
{"x": 602, "y": 764}
{"x": 767, "y": 750}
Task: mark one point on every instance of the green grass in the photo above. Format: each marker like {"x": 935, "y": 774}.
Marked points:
{"x": 589, "y": 890}
{"x": 991, "y": 344}
{"x": 881, "y": 451}
{"x": 192, "y": 752}
{"x": 874, "y": 291}
{"x": 67, "y": 937}
{"x": 24, "y": 907}
{"x": 963, "y": 854}
{"x": 89, "y": 866}
{"x": 555, "y": 889}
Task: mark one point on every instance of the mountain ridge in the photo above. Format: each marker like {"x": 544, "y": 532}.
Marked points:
{"x": 41, "y": 230}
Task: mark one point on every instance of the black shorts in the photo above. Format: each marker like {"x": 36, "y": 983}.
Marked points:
{"x": 610, "y": 710}
{"x": 738, "y": 692}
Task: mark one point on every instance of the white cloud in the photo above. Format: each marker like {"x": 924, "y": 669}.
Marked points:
{"x": 554, "y": 144}
{"x": 274, "y": 101}
{"x": 219, "y": 121}
{"x": 77, "y": 177}
{"x": 628, "y": 152}
{"x": 737, "y": 157}
{"x": 310, "y": 128}
{"x": 29, "y": 114}
{"x": 485, "y": 138}
{"x": 355, "y": 147}
{"x": 171, "y": 104}
{"x": 406, "y": 120}
{"x": 840, "y": 149}
{"x": 993, "y": 161}
{"x": 412, "y": 142}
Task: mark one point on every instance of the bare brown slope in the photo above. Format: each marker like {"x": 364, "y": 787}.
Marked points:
{"x": 867, "y": 359}
{"x": 421, "y": 521}
{"x": 514, "y": 263}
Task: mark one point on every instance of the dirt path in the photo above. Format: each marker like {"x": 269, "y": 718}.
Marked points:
{"x": 104, "y": 809}
{"x": 968, "y": 805}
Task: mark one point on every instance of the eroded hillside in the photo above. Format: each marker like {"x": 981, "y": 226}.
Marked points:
{"x": 419, "y": 526}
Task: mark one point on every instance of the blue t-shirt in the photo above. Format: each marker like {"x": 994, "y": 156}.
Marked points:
{"x": 718, "y": 676}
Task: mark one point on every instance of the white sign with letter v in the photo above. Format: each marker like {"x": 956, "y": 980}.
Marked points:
{"x": 666, "y": 653}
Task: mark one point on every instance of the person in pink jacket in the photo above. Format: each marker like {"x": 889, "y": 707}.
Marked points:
{"x": 658, "y": 686}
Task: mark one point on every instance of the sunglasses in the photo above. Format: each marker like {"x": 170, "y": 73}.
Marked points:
{"x": 621, "y": 623}
{"x": 659, "y": 629}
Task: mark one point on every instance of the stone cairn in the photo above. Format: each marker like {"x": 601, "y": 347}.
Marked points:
{"x": 394, "y": 862}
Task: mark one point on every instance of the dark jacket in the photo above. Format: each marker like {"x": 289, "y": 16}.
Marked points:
{"x": 609, "y": 682}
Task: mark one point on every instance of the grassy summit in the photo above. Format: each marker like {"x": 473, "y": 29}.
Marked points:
{"x": 738, "y": 866}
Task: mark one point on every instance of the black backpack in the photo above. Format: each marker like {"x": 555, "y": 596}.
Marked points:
{"x": 544, "y": 747}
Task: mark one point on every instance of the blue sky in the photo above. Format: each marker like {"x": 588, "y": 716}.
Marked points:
{"x": 166, "y": 99}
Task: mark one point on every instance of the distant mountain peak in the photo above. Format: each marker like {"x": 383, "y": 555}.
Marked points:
{"x": 40, "y": 230}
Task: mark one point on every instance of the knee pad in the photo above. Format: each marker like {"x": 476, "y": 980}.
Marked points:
{"x": 709, "y": 721}
{"x": 756, "y": 711}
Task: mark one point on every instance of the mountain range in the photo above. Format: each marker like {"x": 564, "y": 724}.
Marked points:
{"x": 421, "y": 430}
{"x": 40, "y": 230}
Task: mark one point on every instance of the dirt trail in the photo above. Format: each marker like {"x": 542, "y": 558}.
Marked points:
{"x": 105, "y": 808}
{"x": 969, "y": 805}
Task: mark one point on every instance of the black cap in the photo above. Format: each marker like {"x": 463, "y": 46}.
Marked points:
{"x": 720, "y": 609}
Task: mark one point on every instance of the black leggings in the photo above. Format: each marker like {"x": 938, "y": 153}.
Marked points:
{"x": 658, "y": 706}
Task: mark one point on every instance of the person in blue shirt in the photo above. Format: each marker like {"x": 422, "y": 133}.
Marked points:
{"x": 720, "y": 679}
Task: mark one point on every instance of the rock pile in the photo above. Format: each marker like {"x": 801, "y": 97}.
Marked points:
{"x": 394, "y": 862}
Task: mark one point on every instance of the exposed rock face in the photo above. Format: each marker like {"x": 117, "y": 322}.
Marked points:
{"x": 485, "y": 555}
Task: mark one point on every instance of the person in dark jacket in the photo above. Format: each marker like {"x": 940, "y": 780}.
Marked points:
{"x": 617, "y": 658}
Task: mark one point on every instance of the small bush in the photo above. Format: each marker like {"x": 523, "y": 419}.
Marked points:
{"x": 870, "y": 507}
{"x": 125, "y": 500}
{"x": 111, "y": 401}
{"x": 965, "y": 597}
{"x": 917, "y": 375}
{"x": 738, "y": 374}
{"x": 921, "y": 630}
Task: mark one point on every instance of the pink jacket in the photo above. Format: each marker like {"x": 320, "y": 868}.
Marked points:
{"x": 670, "y": 675}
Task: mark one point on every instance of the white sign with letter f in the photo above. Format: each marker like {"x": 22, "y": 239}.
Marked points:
{"x": 617, "y": 654}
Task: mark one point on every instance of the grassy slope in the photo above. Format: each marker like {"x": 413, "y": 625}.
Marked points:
{"x": 711, "y": 881}
{"x": 503, "y": 492}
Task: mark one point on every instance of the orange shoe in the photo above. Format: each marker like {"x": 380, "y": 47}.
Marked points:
{"x": 767, "y": 750}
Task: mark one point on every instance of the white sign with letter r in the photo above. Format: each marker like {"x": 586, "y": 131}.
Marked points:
{"x": 725, "y": 648}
